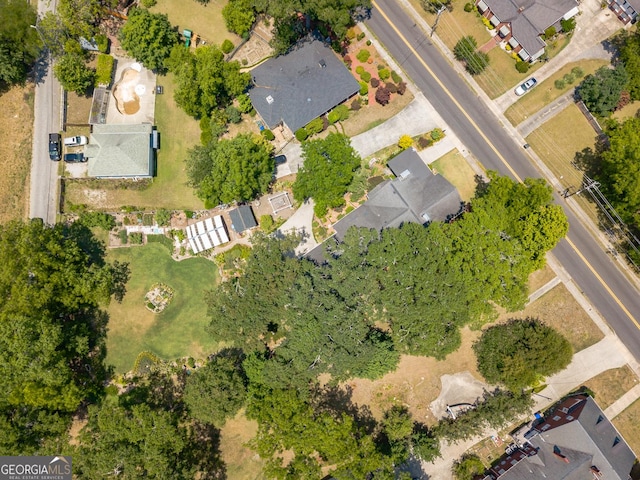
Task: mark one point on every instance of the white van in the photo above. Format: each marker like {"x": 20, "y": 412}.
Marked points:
{"x": 75, "y": 141}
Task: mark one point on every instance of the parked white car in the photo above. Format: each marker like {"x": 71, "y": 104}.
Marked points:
{"x": 75, "y": 141}
{"x": 526, "y": 86}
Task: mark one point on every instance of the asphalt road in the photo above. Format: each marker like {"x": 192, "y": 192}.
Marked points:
{"x": 44, "y": 172}
{"x": 591, "y": 268}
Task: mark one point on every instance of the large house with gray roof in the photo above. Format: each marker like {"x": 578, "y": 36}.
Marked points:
{"x": 521, "y": 23}
{"x": 416, "y": 195}
{"x": 122, "y": 151}
{"x": 574, "y": 441}
{"x": 293, "y": 89}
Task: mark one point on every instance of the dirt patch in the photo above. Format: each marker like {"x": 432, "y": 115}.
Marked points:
{"x": 456, "y": 389}
{"x": 78, "y": 109}
{"x": 241, "y": 461}
{"x": 416, "y": 382}
{"x": 16, "y": 134}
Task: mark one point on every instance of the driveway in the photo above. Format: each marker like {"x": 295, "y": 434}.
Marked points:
{"x": 593, "y": 27}
{"x": 301, "y": 222}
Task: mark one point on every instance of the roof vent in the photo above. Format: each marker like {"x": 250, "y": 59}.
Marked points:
{"x": 322, "y": 63}
{"x": 404, "y": 174}
{"x": 269, "y": 99}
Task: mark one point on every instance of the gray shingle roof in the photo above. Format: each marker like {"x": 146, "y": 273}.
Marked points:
{"x": 120, "y": 151}
{"x": 416, "y": 195}
{"x": 300, "y": 86}
{"x": 530, "y": 18}
{"x": 587, "y": 439}
{"x": 242, "y": 218}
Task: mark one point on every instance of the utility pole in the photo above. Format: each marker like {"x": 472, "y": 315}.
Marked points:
{"x": 438, "y": 13}
{"x": 586, "y": 186}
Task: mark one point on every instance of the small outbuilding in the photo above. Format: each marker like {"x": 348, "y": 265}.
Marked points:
{"x": 242, "y": 219}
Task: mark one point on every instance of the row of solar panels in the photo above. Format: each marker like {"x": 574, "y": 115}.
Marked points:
{"x": 207, "y": 234}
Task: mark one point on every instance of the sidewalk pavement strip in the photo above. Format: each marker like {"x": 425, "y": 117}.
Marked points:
{"x": 546, "y": 113}
{"x": 623, "y": 402}
{"x": 544, "y": 289}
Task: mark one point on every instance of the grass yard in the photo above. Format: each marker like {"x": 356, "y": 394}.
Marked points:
{"x": 546, "y": 92}
{"x": 176, "y": 332}
{"x": 611, "y": 384}
{"x": 242, "y": 462}
{"x": 455, "y": 168}
{"x": 557, "y": 142}
{"x": 16, "y": 133}
{"x": 204, "y": 20}
{"x": 628, "y": 111}
{"x": 78, "y": 108}
{"x": 628, "y": 423}
{"x": 559, "y": 310}
{"x": 540, "y": 278}
{"x": 169, "y": 189}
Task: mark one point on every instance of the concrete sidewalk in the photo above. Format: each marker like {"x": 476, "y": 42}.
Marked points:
{"x": 623, "y": 402}
{"x": 546, "y": 113}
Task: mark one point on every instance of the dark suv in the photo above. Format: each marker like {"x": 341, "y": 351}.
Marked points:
{"x": 55, "y": 146}
{"x": 74, "y": 158}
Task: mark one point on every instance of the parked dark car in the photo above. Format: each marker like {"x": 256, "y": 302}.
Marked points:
{"x": 74, "y": 157}
{"x": 55, "y": 147}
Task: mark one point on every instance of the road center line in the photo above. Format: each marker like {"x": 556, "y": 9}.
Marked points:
{"x": 499, "y": 155}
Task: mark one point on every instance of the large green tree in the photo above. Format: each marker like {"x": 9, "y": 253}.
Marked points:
{"x": 218, "y": 390}
{"x": 600, "y": 91}
{"x": 239, "y": 16}
{"x": 517, "y": 353}
{"x": 82, "y": 17}
{"x": 19, "y": 43}
{"x": 630, "y": 57}
{"x": 205, "y": 80}
{"x": 466, "y": 51}
{"x": 74, "y": 74}
{"x": 149, "y": 37}
{"x": 620, "y": 170}
{"x": 52, "y": 333}
{"x": 231, "y": 170}
{"x": 329, "y": 165}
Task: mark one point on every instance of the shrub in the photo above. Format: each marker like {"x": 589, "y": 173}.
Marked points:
{"x": 314, "y": 126}
{"x": 384, "y": 74}
{"x": 302, "y": 134}
{"x": 103, "y": 43}
{"x": 375, "y": 82}
{"x": 559, "y": 84}
{"x": 550, "y": 32}
{"x": 360, "y": 36}
{"x": 382, "y": 96}
{"x": 341, "y": 112}
{"x": 359, "y": 69}
{"x": 468, "y": 467}
{"x": 402, "y": 87}
{"x": 135, "y": 238}
{"x": 163, "y": 217}
{"x": 123, "y": 236}
{"x": 351, "y": 34}
{"x": 625, "y": 99}
{"x": 577, "y": 72}
{"x": 391, "y": 87}
{"x": 569, "y": 78}
{"x": 355, "y": 105}
{"x": 395, "y": 77}
{"x": 405, "y": 142}
{"x": 487, "y": 23}
{"x": 268, "y": 134}
{"x": 568, "y": 25}
{"x": 245, "y": 61}
{"x": 468, "y": 7}
{"x": 424, "y": 142}
{"x": 233, "y": 114}
{"x": 363, "y": 55}
{"x": 364, "y": 88}
{"x": 244, "y": 103}
{"x": 97, "y": 219}
{"x": 226, "y": 46}
{"x": 368, "y": 43}
{"x": 104, "y": 69}
{"x": 365, "y": 77}
{"x": 436, "y": 134}
{"x": 267, "y": 224}
{"x": 149, "y": 3}
{"x": 522, "y": 67}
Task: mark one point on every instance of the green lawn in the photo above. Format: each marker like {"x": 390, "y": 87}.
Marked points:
{"x": 176, "y": 332}
{"x": 557, "y": 141}
{"x": 455, "y": 168}
{"x": 546, "y": 92}
{"x": 206, "y": 21}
